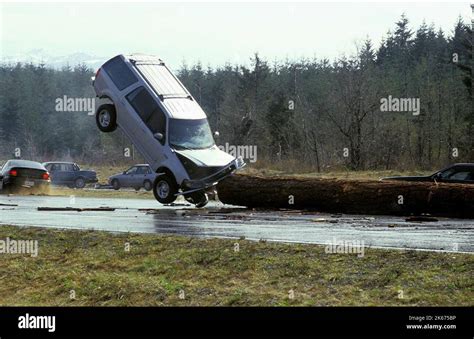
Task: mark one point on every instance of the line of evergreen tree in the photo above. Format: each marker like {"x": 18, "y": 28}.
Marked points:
{"x": 315, "y": 112}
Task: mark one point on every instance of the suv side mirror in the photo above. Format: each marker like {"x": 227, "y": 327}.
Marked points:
{"x": 437, "y": 175}
{"x": 158, "y": 136}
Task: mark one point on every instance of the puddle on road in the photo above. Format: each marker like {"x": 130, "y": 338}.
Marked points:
{"x": 218, "y": 220}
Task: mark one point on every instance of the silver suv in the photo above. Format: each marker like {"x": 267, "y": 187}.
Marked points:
{"x": 140, "y": 95}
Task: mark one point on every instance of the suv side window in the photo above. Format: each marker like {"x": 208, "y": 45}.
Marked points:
{"x": 148, "y": 110}
{"x": 119, "y": 72}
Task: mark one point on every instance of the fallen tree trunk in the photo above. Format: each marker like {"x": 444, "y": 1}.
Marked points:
{"x": 349, "y": 196}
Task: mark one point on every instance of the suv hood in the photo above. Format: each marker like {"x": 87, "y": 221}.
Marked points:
{"x": 211, "y": 157}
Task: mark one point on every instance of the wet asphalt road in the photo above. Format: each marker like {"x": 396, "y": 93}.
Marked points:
{"x": 217, "y": 220}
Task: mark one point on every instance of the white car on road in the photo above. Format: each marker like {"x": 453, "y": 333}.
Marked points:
{"x": 165, "y": 123}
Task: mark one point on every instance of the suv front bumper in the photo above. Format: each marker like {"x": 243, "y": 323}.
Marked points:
{"x": 190, "y": 186}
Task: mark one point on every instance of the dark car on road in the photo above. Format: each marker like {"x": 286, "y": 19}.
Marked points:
{"x": 137, "y": 176}
{"x": 69, "y": 174}
{"x": 24, "y": 174}
{"x": 457, "y": 173}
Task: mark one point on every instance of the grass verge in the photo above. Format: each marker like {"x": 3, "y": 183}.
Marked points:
{"x": 180, "y": 270}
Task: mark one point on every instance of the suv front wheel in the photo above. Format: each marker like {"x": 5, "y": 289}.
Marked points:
{"x": 106, "y": 118}
{"x": 165, "y": 189}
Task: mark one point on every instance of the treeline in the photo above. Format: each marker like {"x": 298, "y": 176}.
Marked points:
{"x": 317, "y": 114}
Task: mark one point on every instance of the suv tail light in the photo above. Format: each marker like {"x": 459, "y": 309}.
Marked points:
{"x": 45, "y": 176}
{"x": 13, "y": 173}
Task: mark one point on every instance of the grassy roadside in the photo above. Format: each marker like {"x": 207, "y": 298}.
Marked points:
{"x": 348, "y": 175}
{"x": 179, "y": 270}
{"x": 103, "y": 172}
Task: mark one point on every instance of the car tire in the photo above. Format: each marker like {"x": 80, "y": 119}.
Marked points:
{"x": 199, "y": 199}
{"x": 80, "y": 183}
{"x": 5, "y": 189}
{"x": 147, "y": 185}
{"x": 165, "y": 189}
{"x": 115, "y": 184}
{"x": 106, "y": 118}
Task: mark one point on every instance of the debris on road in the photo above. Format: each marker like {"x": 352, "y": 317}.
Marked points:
{"x": 99, "y": 186}
{"x": 228, "y": 210}
{"x": 174, "y": 204}
{"x": 422, "y": 218}
{"x": 171, "y": 211}
{"x": 217, "y": 221}
{"x": 56, "y": 209}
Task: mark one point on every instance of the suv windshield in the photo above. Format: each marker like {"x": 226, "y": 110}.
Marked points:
{"x": 190, "y": 134}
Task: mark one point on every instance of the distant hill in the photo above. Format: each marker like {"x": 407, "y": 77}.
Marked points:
{"x": 40, "y": 56}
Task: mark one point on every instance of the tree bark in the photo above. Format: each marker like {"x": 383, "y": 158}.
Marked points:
{"x": 349, "y": 196}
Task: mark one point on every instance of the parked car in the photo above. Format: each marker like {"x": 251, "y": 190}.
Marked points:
{"x": 18, "y": 174}
{"x": 137, "y": 176}
{"x": 457, "y": 173}
{"x": 165, "y": 123}
{"x": 69, "y": 173}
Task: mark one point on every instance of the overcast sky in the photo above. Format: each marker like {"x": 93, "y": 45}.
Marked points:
{"x": 213, "y": 33}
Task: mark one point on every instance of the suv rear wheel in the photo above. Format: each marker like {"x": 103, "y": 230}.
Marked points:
{"x": 106, "y": 118}
{"x": 165, "y": 189}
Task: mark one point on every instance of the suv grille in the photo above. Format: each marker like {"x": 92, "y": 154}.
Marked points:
{"x": 196, "y": 172}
